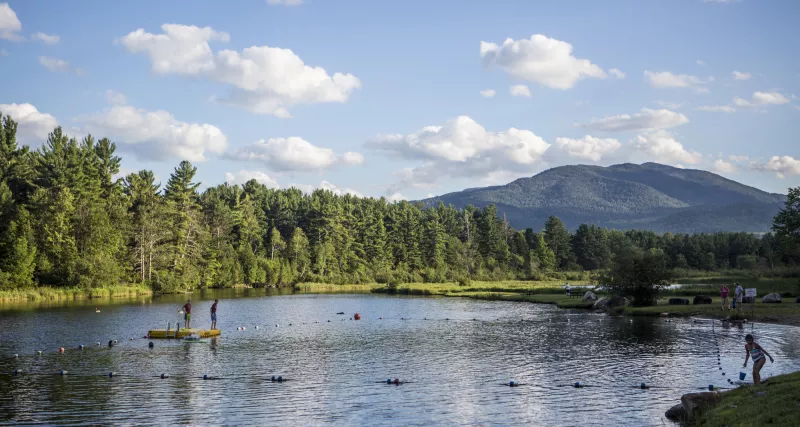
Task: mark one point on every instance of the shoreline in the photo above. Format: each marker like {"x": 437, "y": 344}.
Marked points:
{"x": 71, "y": 294}
{"x": 773, "y": 402}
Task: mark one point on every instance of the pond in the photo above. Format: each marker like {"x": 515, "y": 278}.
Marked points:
{"x": 455, "y": 355}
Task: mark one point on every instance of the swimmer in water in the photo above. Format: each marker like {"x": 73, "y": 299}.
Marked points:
{"x": 757, "y": 353}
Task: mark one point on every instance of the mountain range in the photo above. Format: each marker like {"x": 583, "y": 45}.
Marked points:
{"x": 649, "y": 196}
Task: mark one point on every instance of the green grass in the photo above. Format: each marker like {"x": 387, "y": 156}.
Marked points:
{"x": 58, "y": 294}
{"x": 559, "y": 300}
{"x": 779, "y": 405}
{"x": 710, "y": 285}
{"x": 327, "y": 288}
{"x": 787, "y": 312}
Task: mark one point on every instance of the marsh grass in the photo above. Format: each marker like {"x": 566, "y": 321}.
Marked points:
{"x": 58, "y": 294}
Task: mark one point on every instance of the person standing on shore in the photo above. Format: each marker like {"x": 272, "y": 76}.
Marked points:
{"x": 214, "y": 314}
{"x": 187, "y": 310}
{"x": 566, "y": 288}
{"x": 723, "y": 293}
{"x": 739, "y": 295}
{"x": 754, "y": 351}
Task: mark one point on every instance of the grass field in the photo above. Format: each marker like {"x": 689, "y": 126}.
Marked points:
{"x": 710, "y": 285}
{"x": 55, "y": 294}
{"x": 787, "y": 312}
{"x": 774, "y": 403}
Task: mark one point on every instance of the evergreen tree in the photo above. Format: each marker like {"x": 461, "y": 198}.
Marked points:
{"x": 558, "y": 240}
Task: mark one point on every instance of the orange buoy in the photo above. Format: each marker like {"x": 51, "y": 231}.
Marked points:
{"x": 357, "y": 316}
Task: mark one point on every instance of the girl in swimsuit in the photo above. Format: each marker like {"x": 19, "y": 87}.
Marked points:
{"x": 754, "y": 351}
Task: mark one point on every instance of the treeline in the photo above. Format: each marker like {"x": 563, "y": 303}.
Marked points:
{"x": 66, "y": 221}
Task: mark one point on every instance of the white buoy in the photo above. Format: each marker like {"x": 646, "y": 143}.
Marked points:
{"x": 256, "y": 327}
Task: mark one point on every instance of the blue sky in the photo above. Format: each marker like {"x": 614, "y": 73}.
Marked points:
{"x": 407, "y": 99}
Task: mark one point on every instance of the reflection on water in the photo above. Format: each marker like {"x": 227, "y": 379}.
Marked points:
{"x": 455, "y": 368}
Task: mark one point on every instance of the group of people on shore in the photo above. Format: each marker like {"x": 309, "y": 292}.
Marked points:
{"x": 736, "y": 301}
{"x": 187, "y": 313}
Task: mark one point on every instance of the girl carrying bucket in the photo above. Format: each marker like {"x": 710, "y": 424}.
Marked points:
{"x": 754, "y": 351}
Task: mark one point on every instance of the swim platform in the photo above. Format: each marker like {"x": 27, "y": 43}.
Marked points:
{"x": 180, "y": 334}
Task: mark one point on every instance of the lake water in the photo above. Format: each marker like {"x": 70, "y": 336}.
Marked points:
{"x": 455, "y": 369}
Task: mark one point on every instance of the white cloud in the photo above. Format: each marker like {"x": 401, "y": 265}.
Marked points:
{"x": 33, "y": 126}
{"x": 666, "y": 79}
{"x": 9, "y": 24}
{"x": 520, "y": 90}
{"x": 155, "y": 135}
{"x": 488, "y": 93}
{"x": 739, "y": 75}
{"x": 588, "y": 147}
{"x": 284, "y": 2}
{"x": 716, "y": 108}
{"x": 54, "y": 64}
{"x": 739, "y": 159}
{"x": 643, "y": 120}
{"x": 116, "y": 98}
{"x": 700, "y": 62}
{"x": 540, "y": 59}
{"x": 760, "y": 99}
{"x": 781, "y": 165}
{"x": 616, "y": 73}
{"x": 325, "y": 185}
{"x": 264, "y": 80}
{"x": 461, "y": 148}
{"x": 396, "y": 197}
{"x": 669, "y": 105}
{"x": 50, "y": 39}
{"x": 721, "y": 166}
{"x": 293, "y": 154}
{"x": 243, "y": 176}
{"x": 662, "y": 147}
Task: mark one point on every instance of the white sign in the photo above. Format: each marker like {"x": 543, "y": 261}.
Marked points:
{"x": 750, "y": 292}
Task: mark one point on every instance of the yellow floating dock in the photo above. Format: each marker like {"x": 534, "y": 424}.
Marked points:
{"x": 172, "y": 333}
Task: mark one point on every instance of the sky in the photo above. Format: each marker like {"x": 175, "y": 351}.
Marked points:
{"x": 411, "y": 99}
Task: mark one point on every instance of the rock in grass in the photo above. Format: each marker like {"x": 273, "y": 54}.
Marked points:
{"x": 695, "y": 403}
{"x": 589, "y": 296}
{"x": 676, "y": 413}
{"x": 702, "y": 299}
{"x": 771, "y": 298}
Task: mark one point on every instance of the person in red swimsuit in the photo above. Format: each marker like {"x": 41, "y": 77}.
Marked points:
{"x": 723, "y": 293}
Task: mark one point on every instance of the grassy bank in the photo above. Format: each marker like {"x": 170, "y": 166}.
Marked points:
{"x": 787, "y": 312}
{"x": 776, "y": 402}
{"x": 710, "y": 285}
{"x": 56, "y": 294}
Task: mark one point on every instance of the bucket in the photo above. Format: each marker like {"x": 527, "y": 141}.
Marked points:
{"x": 741, "y": 376}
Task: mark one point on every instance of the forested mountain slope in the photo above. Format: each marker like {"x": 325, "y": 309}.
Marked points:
{"x": 648, "y": 196}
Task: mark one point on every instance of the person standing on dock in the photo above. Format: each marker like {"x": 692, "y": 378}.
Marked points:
{"x": 214, "y": 314}
{"x": 187, "y": 310}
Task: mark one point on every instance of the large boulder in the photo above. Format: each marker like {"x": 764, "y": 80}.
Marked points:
{"x": 771, "y": 298}
{"x": 696, "y": 403}
{"x": 589, "y": 296}
{"x": 678, "y": 301}
{"x": 607, "y": 303}
{"x": 702, "y": 299}
{"x": 676, "y": 413}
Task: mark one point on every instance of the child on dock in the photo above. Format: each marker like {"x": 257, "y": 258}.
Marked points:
{"x": 214, "y": 314}
{"x": 754, "y": 351}
{"x": 187, "y": 309}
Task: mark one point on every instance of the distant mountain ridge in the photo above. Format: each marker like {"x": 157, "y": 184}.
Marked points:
{"x": 649, "y": 196}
